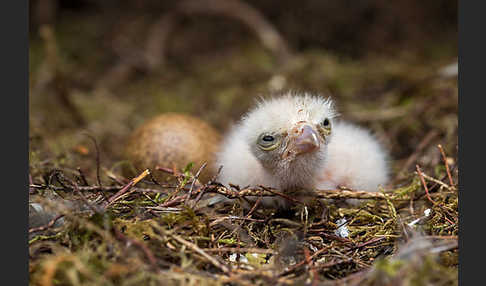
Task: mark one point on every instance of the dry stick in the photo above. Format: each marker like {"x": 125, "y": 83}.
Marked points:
{"x": 31, "y": 189}
{"x": 213, "y": 179}
{"x": 218, "y": 220}
{"x": 373, "y": 240}
{"x": 196, "y": 248}
{"x": 336, "y": 262}
{"x": 450, "y": 221}
{"x": 315, "y": 279}
{"x": 282, "y": 195}
{"x": 199, "y": 196}
{"x": 194, "y": 180}
{"x": 443, "y": 178}
{"x": 152, "y": 178}
{"x": 140, "y": 245}
{"x": 83, "y": 178}
{"x": 167, "y": 170}
{"x": 175, "y": 173}
{"x": 254, "y": 207}
{"x": 268, "y": 192}
{"x": 175, "y": 201}
{"x": 355, "y": 278}
{"x": 411, "y": 204}
{"x": 98, "y": 178}
{"x": 241, "y": 249}
{"x": 438, "y": 182}
{"x": 425, "y": 185}
{"x": 74, "y": 186}
{"x": 59, "y": 175}
{"x": 442, "y": 237}
{"x": 348, "y": 194}
{"x": 446, "y": 165}
{"x": 48, "y": 225}
{"x": 428, "y": 195}
{"x": 83, "y": 188}
{"x": 125, "y": 189}
{"x": 295, "y": 266}
{"x": 84, "y": 199}
{"x": 114, "y": 178}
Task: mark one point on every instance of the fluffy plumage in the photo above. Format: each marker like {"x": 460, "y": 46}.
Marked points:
{"x": 294, "y": 142}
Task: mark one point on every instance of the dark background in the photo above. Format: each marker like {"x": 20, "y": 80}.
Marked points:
{"x": 104, "y": 67}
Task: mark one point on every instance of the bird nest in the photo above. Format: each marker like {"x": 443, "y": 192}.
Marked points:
{"x": 181, "y": 232}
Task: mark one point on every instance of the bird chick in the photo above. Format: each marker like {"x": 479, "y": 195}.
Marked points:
{"x": 294, "y": 143}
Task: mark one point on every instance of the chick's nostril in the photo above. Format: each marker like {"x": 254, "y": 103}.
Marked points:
{"x": 306, "y": 141}
{"x": 308, "y": 135}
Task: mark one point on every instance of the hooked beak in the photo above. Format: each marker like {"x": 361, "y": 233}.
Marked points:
{"x": 306, "y": 140}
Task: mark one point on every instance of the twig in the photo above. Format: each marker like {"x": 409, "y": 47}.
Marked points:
{"x": 310, "y": 264}
{"x": 81, "y": 188}
{"x": 74, "y": 186}
{"x": 282, "y": 195}
{"x": 31, "y": 189}
{"x": 194, "y": 180}
{"x": 84, "y": 199}
{"x": 98, "y": 178}
{"x": 125, "y": 189}
{"x": 295, "y": 266}
{"x": 336, "y": 262}
{"x": 175, "y": 201}
{"x": 167, "y": 170}
{"x": 199, "y": 196}
{"x": 48, "y": 225}
{"x": 254, "y": 207}
{"x": 350, "y": 194}
{"x": 218, "y": 220}
{"x": 83, "y": 178}
{"x": 140, "y": 245}
{"x": 152, "y": 178}
{"x": 428, "y": 195}
{"x": 424, "y": 184}
{"x": 98, "y": 162}
{"x": 240, "y": 249}
{"x": 450, "y": 188}
{"x": 373, "y": 240}
{"x": 196, "y": 248}
{"x": 114, "y": 178}
{"x": 442, "y": 237}
{"x": 442, "y": 179}
{"x": 446, "y": 165}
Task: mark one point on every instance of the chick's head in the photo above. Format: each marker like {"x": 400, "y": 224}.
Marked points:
{"x": 289, "y": 135}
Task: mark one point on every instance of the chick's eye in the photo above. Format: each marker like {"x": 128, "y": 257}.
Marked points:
{"x": 326, "y": 122}
{"x": 268, "y": 142}
{"x": 268, "y": 138}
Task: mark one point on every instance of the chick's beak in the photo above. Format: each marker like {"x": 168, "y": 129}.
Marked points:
{"x": 306, "y": 141}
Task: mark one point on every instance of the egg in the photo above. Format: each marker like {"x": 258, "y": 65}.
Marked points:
{"x": 172, "y": 140}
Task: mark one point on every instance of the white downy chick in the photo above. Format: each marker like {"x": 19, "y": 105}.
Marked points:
{"x": 294, "y": 142}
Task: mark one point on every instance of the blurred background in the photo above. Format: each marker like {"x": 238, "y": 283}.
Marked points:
{"x": 104, "y": 67}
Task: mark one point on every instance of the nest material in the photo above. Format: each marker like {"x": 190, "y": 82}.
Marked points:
{"x": 179, "y": 233}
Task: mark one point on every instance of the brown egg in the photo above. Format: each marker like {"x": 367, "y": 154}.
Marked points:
{"x": 173, "y": 140}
